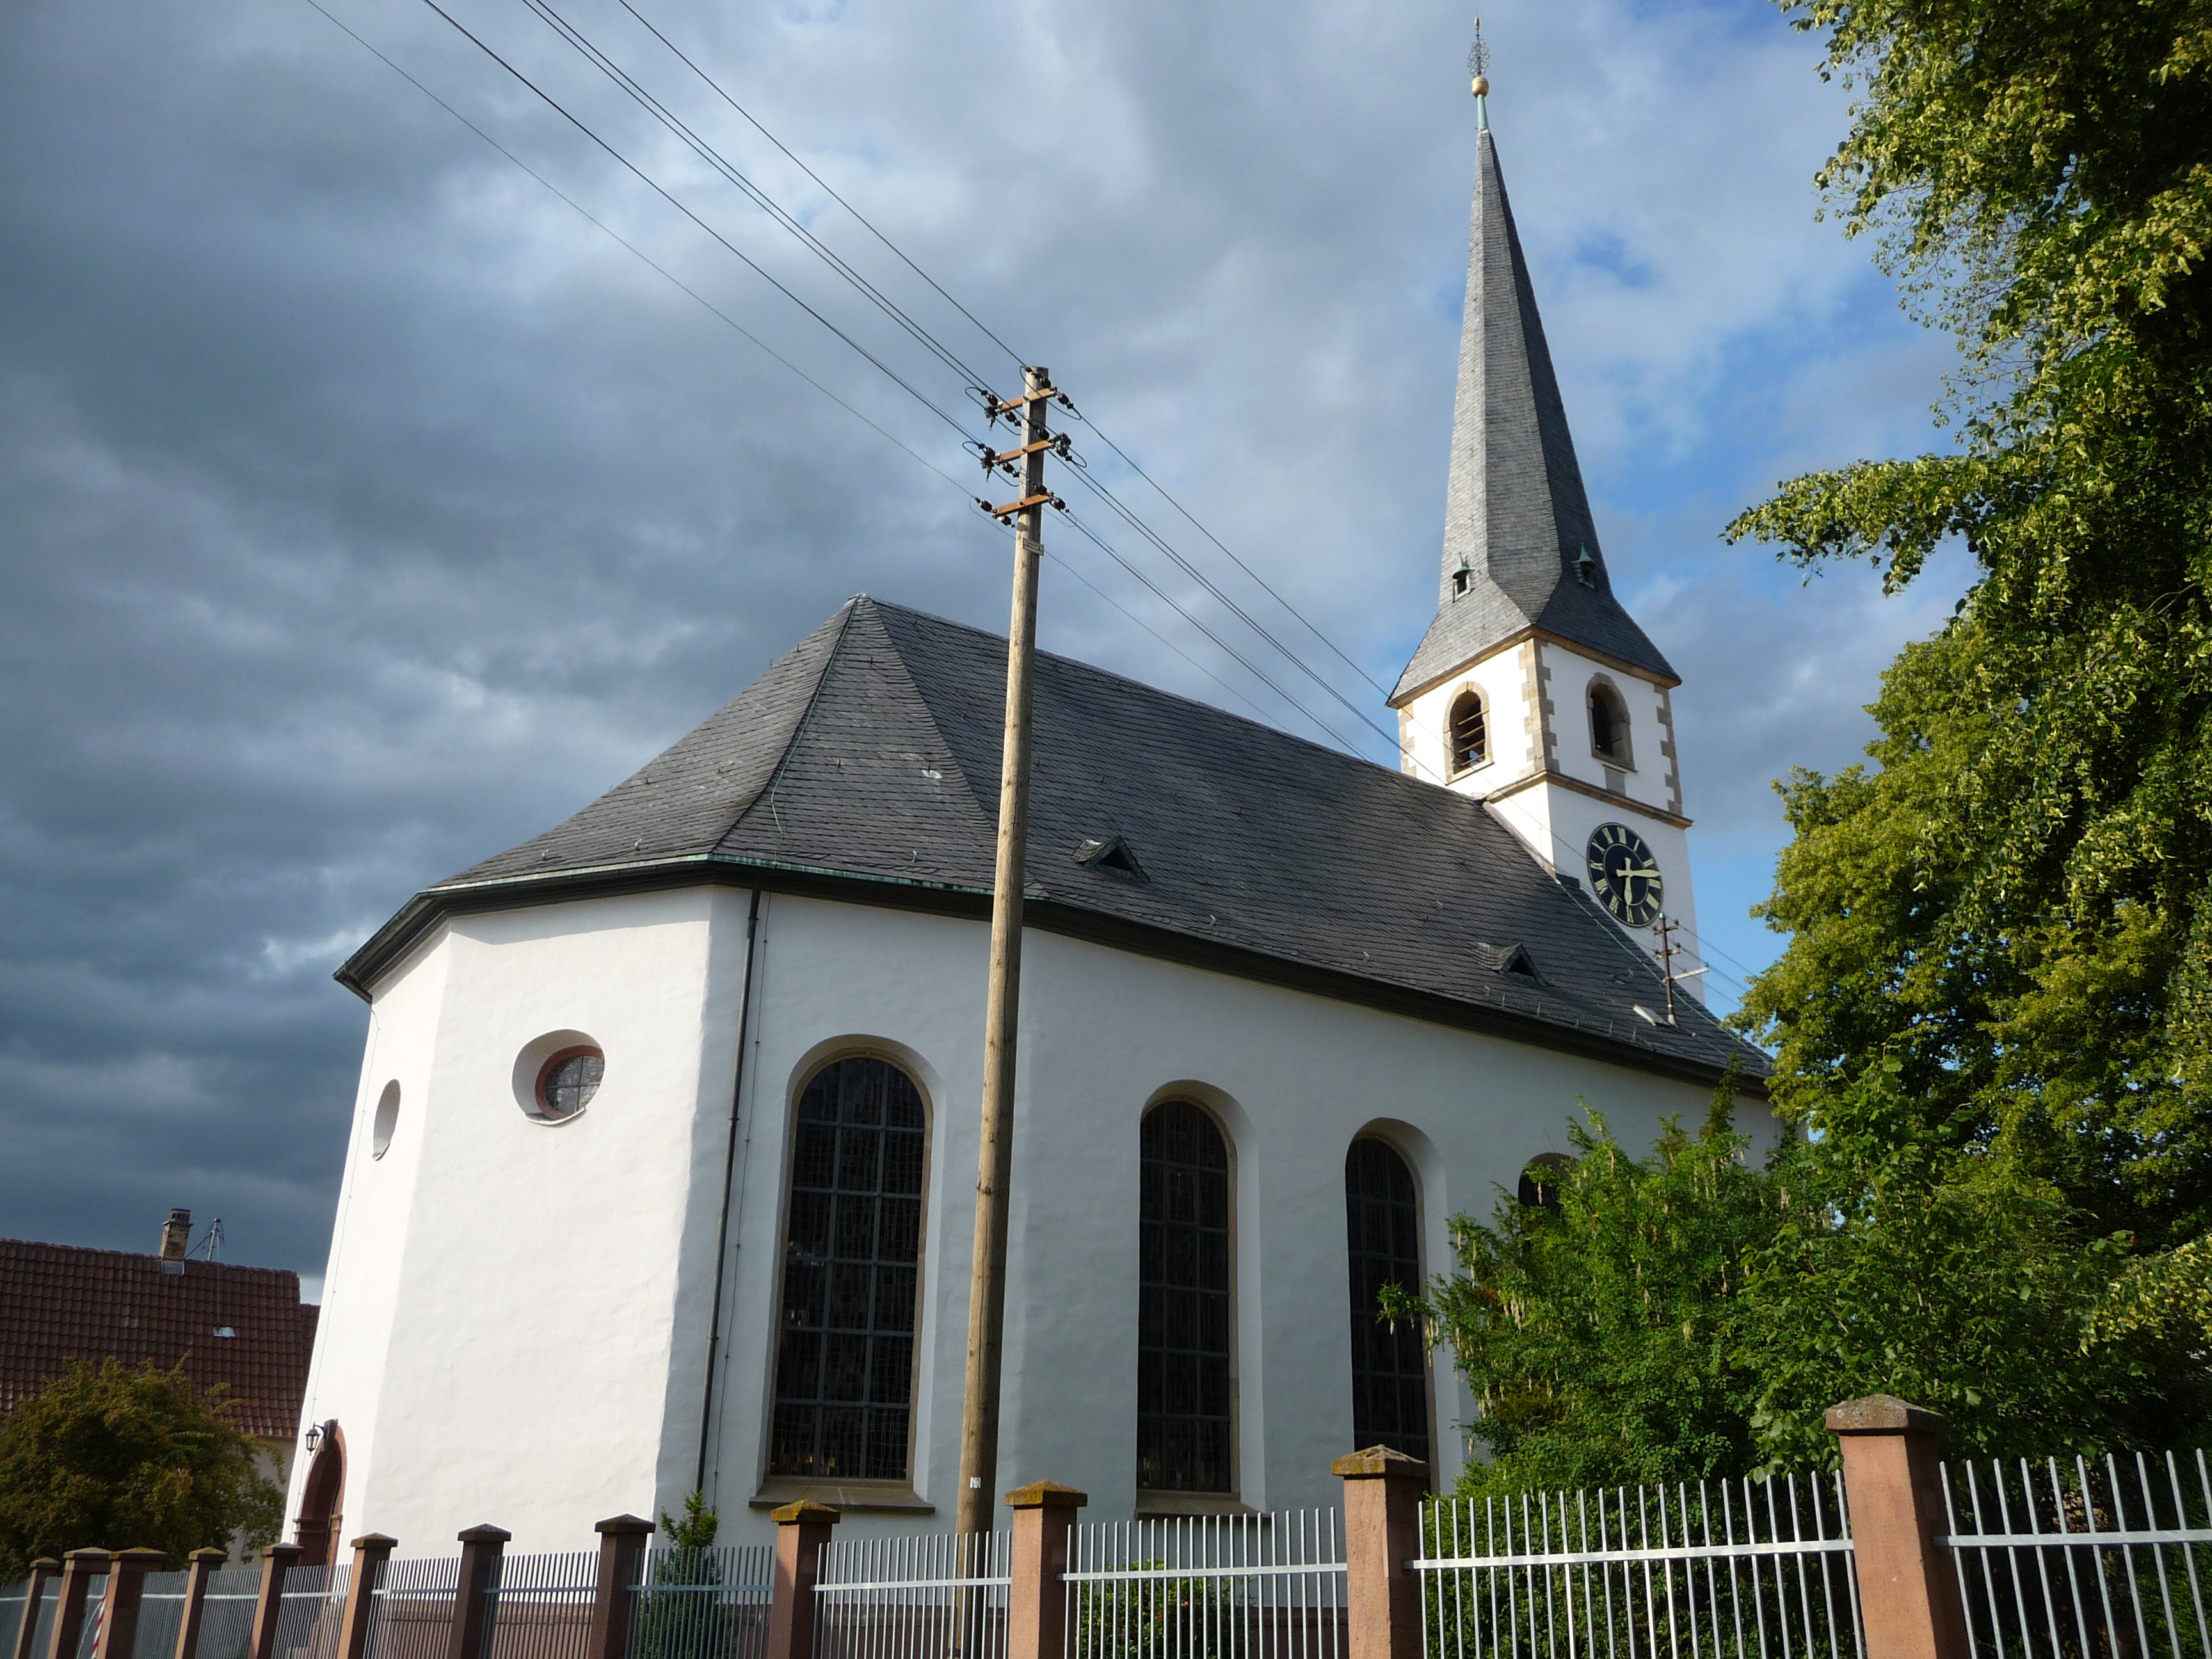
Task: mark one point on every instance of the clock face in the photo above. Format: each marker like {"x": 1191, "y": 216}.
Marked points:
{"x": 1624, "y": 876}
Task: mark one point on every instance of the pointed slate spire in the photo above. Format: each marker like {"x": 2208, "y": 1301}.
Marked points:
{"x": 1520, "y": 548}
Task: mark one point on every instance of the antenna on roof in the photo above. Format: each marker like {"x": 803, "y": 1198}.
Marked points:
{"x": 211, "y": 1241}
{"x": 1477, "y": 66}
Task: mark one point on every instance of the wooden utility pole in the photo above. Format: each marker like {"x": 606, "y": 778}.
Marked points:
{"x": 987, "y": 1288}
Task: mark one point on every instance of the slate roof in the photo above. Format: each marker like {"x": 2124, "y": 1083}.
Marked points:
{"x": 1517, "y": 517}
{"x": 871, "y": 753}
{"x": 60, "y": 1302}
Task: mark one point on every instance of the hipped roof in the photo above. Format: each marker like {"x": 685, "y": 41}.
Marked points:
{"x": 866, "y": 761}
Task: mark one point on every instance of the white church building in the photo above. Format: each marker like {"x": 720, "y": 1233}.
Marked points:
{"x": 661, "y": 1173}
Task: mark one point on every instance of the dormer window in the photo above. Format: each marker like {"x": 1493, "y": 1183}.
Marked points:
{"x": 1468, "y": 732}
{"x": 1586, "y": 568}
{"x": 1462, "y": 578}
{"x": 1608, "y": 719}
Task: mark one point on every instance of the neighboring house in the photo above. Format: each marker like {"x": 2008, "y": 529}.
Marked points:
{"x": 662, "y": 1167}
{"x": 245, "y": 1327}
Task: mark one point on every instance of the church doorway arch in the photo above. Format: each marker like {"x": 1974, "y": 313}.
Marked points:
{"x": 320, "y": 1519}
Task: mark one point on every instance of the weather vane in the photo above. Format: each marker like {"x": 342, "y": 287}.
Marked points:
{"x": 1477, "y": 61}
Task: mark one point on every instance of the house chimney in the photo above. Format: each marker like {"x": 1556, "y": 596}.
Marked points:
{"x": 176, "y": 1235}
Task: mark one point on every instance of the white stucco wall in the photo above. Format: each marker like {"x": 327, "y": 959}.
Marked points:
{"x": 500, "y": 1327}
{"x": 1554, "y": 822}
{"x": 1515, "y": 751}
{"x": 544, "y": 1367}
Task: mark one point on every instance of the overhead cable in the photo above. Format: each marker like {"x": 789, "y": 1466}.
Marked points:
{"x": 559, "y": 109}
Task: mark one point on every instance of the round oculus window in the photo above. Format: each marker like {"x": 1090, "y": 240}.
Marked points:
{"x": 567, "y": 1081}
{"x": 385, "y": 1121}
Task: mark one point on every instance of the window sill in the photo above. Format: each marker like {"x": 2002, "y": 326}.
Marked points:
{"x": 1152, "y": 1505}
{"x": 861, "y": 1497}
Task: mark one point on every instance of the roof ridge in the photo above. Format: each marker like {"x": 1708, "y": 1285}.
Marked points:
{"x": 767, "y": 791}
{"x": 1148, "y": 688}
{"x": 143, "y": 1255}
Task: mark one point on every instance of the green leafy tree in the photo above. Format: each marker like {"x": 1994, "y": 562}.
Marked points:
{"x": 1602, "y": 1331}
{"x": 2008, "y": 913}
{"x": 114, "y": 1457}
{"x": 1685, "y": 1316}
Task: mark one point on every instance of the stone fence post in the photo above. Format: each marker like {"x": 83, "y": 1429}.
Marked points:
{"x": 34, "y": 1597}
{"x": 1908, "y": 1586}
{"x": 1037, "y": 1603}
{"x": 370, "y": 1552}
{"x": 481, "y": 1548}
{"x": 79, "y": 1568}
{"x": 614, "y": 1602}
{"x": 126, "y": 1586}
{"x": 1382, "y": 1533}
{"x": 276, "y": 1561}
{"x": 801, "y": 1530}
{"x": 205, "y": 1564}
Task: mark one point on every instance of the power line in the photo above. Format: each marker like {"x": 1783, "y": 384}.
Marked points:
{"x": 767, "y": 203}
{"x": 830, "y": 190}
{"x": 651, "y": 263}
{"x": 1233, "y": 559}
{"x": 842, "y": 404}
{"x": 600, "y": 59}
{"x": 1092, "y": 536}
{"x": 553, "y": 104}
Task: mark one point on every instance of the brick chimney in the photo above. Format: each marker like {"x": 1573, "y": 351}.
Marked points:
{"x": 176, "y": 1235}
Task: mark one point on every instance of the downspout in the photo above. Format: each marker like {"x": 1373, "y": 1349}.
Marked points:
{"x": 729, "y": 1183}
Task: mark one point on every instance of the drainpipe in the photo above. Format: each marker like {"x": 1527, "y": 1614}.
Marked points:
{"x": 729, "y": 1183}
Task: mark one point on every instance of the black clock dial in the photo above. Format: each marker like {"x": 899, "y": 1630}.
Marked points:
{"x": 1625, "y": 875}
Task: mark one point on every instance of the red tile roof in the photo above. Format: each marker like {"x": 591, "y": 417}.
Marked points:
{"x": 60, "y": 1302}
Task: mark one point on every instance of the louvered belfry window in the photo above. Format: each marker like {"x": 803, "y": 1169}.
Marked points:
{"x": 1470, "y": 732}
{"x": 1183, "y": 1440}
{"x": 844, "y": 1371}
{"x": 1389, "y": 1368}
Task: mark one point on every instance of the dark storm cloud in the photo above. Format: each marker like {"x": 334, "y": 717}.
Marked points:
{"x": 365, "y": 509}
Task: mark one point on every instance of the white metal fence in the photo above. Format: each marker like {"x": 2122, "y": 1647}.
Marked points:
{"x": 702, "y": 1603}
{"x": 938, "y": 1596}
{"x": 1725, "y": 1570}
{"x": 1211, "y": 1587}
{"x": 2084, "y": 1559}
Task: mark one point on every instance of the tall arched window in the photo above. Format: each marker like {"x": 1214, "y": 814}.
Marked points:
{"x": 1608, "y": 719}
{"x": 1389, "y": 1366}
{"x": 1183, "y": 1438}
{"x": 844, "y": 1365}
{"x": 1469, "y": 731}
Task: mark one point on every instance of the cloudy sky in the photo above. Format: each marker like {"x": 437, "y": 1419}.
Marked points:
{"x": 365, "y": 508}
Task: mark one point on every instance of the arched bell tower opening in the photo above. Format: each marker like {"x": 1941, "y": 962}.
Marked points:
{"x": 320, "y": 1519}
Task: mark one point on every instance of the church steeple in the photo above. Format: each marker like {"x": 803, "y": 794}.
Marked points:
{"x": 1520, "y": 548}
{"x": 1532, "y": 691}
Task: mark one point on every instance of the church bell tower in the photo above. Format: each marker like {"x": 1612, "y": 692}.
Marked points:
{"x": 1533, "y": 691}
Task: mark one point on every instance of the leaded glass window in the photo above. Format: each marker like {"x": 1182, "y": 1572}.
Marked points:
{"x": 844, "y": 1370}
{"x": 1183, "y": 1438}
{"x": 1389, "y": 1366}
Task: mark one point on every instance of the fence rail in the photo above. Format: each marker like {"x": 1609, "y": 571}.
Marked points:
{"x": 930, "y": 1596}
{"x": 1207, "y": 1587}
{"x": 702, "y": 1603}
{"x": 2085, "y": 1558}
{"x": 1722, "y": 1571}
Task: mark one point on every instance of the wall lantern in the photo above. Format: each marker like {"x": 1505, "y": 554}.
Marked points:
{"x": 314, "y": 1437}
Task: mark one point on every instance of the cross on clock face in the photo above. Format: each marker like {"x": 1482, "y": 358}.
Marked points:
{"x": 1625, "y": 875}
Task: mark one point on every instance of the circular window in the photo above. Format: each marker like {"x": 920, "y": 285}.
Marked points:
{"x": 567, "y": 1081}
{"x": 557, "y": 1075}
{"x": 386, "y": 1120}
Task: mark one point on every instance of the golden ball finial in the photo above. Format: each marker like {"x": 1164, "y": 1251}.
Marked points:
{"x": 1481, "y": 86}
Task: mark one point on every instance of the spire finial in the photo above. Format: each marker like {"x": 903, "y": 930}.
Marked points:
{"x": 1478, "y": 65}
